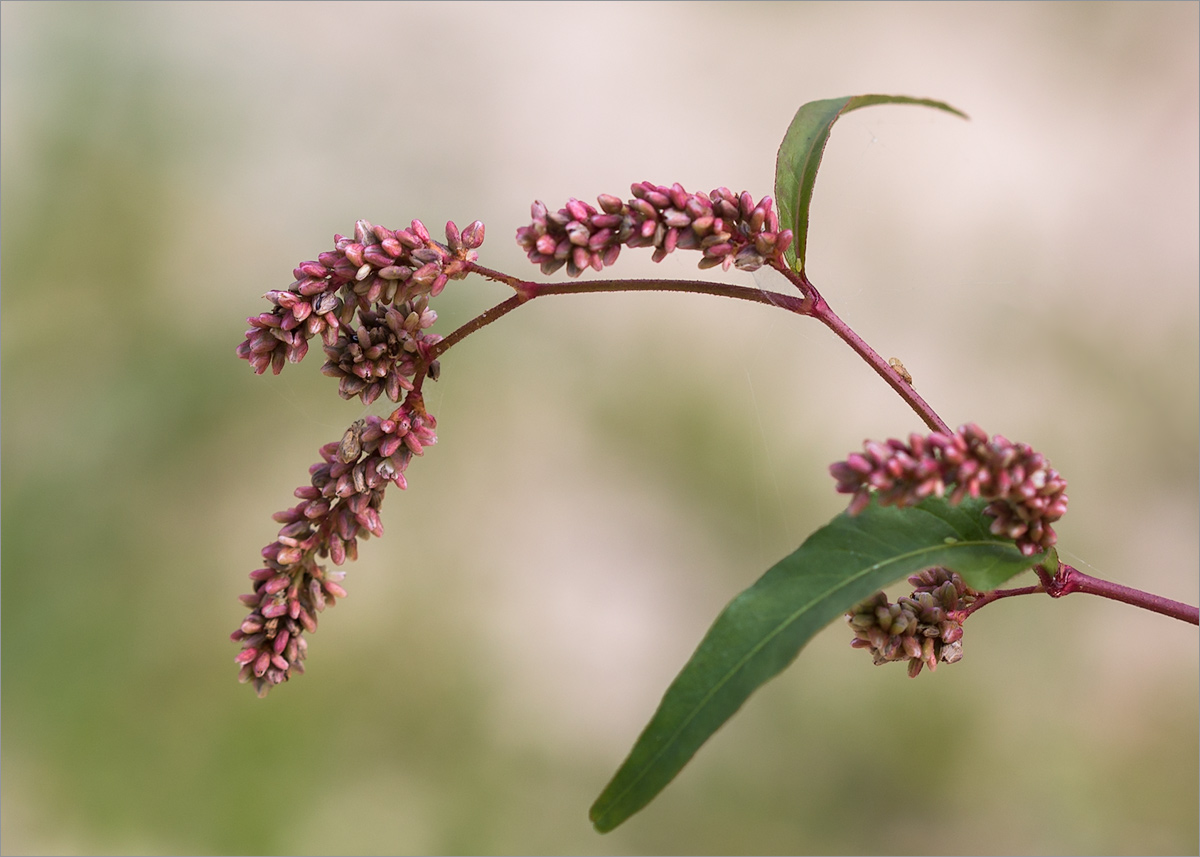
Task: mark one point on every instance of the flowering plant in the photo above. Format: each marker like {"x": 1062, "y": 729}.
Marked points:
{"x": 957, "y": 512}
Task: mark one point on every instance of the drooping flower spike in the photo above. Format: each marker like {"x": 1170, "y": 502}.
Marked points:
{"x": 368, "y": 300}
{"x": 338, "y": 507}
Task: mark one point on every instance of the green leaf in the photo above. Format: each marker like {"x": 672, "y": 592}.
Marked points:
{"x": 764, "y": 628}
{"x": 800, "y": 158}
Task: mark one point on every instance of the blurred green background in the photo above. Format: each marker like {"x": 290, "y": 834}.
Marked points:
{"x": 611, "y": 469}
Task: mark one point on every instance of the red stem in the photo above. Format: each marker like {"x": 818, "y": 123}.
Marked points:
{"x": 996, "y": 594}
{"x": 810, "y": 303}
{"x": 1070, "y": 580}
{"x": 527, "y": 291}
{"x": 821, "y": 311}
{"x": 1067, "y": 579}
{"x": 824, "y": 314}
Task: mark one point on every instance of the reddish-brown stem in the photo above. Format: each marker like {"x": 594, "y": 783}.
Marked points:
{"x": 821, "y": 311}
{"x": 1064, "y": 582}
{"x": 996, "y": 594}
{"x": 482, "y": 320}
{"x": 1071, "y": 579}
{"x": 527, "y": 291}
{"x": 810, "y": 303}
{"x": 894, "y": 379}
{"x": 745, "y": 293}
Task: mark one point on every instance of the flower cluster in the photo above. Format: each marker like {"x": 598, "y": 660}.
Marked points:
{"x": 726, "y": 228}
{"x": 373, "y": 271}
{"x": 1028, "y": 495}
{"x": 338, "y": 507}
{"x": 381, "y": 354}
{"x": 923, "y": 628}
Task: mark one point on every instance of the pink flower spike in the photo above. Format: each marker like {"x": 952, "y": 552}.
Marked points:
{"x": 967, "y": 462}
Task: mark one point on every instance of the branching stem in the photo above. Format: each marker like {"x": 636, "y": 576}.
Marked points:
{"x": 820, "y": 310}
{"x": 996, "y": 594}
{"x": 1069, "y": 579}
{"x": 810, "y": 303}
{"x": 527, "y": 291}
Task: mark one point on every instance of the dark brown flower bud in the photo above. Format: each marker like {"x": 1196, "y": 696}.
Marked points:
{"x": 351, "y": 445}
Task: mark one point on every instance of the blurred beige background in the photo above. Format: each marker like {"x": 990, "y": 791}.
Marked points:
{"x": 611, "y": 469}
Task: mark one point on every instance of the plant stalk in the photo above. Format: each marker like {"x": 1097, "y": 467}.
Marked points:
{"x": 1067, "y": 579}
{"x": 527, "y": 291}
{"x": 1070, "y": 579}
{"x": 810, "y": 304}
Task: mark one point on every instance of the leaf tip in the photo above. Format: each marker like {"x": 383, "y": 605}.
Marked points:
{"x": 600, "y": 822}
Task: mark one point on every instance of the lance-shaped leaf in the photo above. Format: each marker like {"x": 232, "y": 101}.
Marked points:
{"x": 800, "y": 158}
{"x": 764, "y": 628}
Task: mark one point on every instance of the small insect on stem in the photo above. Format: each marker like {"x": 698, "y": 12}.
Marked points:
{"x": 896, "y": 365}
{"x": 351, "y": 446}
